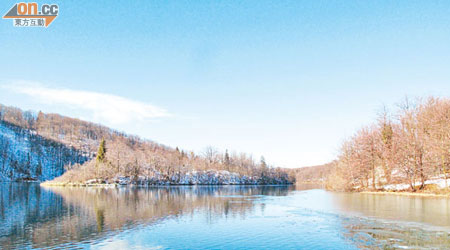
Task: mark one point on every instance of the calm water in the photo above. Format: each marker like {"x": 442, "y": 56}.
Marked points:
{"x": 217, "y": 218}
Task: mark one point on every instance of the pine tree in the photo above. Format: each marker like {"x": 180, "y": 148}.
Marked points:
{"x": 263, "y": 163}
{"x": 101, "y": 153}
{"x": 227, "y": 158}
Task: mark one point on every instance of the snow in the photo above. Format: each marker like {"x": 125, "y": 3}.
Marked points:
{"x": 439, "y": 181}
{"x": 22, "y": 153}
{"x": 209, "y": 177}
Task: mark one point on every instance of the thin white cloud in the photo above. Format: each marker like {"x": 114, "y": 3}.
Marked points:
{"x": 102, "y": 107}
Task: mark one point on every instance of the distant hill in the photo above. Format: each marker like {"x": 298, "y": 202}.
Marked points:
{"x": 39, "y": 146}
{"x": 314, "y": 174}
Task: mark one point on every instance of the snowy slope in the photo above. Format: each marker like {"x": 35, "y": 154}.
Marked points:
{"x": 25, "y": 155}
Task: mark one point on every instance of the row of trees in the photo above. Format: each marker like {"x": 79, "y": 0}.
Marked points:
{"x": 410, "y": 146}
{"x": 129, "y": 155}
{"x": 70, "y": 131}
{"x": 122, "y": 157}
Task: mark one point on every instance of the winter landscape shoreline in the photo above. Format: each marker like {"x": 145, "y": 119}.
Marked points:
{"x": 105, "y": 185}
{"x": 408, "y": 193}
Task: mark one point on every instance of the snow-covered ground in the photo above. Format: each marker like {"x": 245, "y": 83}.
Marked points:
{"x": 439, "y": 181}
{"x": 210, "y": 177}
{"x": 25, "y": 155}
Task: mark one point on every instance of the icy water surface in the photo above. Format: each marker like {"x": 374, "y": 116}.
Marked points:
{"x": 229, "y": 217}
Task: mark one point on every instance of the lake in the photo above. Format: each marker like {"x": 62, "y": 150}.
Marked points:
{"x": 217, "y": 217}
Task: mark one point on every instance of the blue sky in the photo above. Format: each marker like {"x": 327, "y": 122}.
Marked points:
{"x": 285, "y": 79}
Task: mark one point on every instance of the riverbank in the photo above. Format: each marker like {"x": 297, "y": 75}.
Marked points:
{"x": 407, "y": 193}
{"x": 433, "y": 188}
{"x": 65, "y": 184}
{"x": 437, "y": 186}
{"x": 186, "y": 179}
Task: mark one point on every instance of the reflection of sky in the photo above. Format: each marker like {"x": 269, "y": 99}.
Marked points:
{"x": 275, "y": 222}
{"x": 313, "y": 219}
{"x": 112, "y": 244}
{"x": 231, "y": 217}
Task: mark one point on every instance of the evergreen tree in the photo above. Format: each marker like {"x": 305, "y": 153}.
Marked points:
{"x": 263, "y": 166}
{"x": 263, "y": 163}
{"x": 101, "y": 153}
{"x": 227, "y": 158}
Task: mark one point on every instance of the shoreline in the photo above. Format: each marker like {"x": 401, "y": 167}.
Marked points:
{"x": 407, "y": 193}
{"x": 43, "y": 184}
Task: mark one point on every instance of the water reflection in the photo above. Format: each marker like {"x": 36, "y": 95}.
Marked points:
{"x": 230, "y": 217}
{"x": 395, "y": 221}
{"x": 377, "y": 235}
{"x": 114, "y": 208}
{"x": 429, "y": 210}
{"x": 44, "y": 217}
{"x": 22, "y": 206}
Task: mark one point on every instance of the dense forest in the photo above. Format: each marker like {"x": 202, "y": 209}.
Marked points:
{"x": 38, "y": 146}
{"x": 406, "y": 149}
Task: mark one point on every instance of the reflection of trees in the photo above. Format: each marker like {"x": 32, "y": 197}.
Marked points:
{"x": 371, "y": 233}
{"x": 434, "y": 211}
{"x": 64, "y": 215}
{"x": 308, "y": 186}
{"x": 22, "y": 205}
{"x": 100, "y": 218}
{"x": 121, "y": 206}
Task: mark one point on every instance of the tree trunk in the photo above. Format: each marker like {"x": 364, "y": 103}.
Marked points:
{"x": 444, "y": 170}
{"x": 374, "y": 186}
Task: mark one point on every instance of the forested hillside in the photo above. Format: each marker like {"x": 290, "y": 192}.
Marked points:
{"x": 40, "y": 146}
{"x": 408, "y": 149}
{"x": 24, "y": 155}
{"x": 314, "y": 174}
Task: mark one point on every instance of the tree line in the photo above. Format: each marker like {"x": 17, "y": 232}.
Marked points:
{"x": 409, "y": 146}
{"x": 129, "y": 155}
{"x": 134, "y": 159}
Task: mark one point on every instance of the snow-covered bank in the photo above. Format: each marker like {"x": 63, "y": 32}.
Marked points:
{"x": 405, "y": 193}
{"x": 439, "y": 181}
{"x": 210, "y": 177}
{"x": 434, "y": 187}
